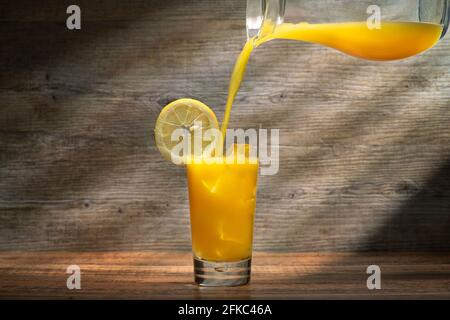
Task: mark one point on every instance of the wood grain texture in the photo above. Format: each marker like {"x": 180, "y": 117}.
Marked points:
{"x": 365, "y": 146}
{"x": 163, "y": 275}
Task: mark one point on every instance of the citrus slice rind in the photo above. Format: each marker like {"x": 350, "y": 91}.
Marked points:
{"x": 182, "y": 114}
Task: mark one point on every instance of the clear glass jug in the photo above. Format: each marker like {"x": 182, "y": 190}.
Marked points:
{"x": 345, "y": 24}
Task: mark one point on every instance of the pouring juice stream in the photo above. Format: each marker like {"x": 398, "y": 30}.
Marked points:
{"x": 395, "y": 40}
{"x": 221, "y": 225}
{"x": 222, "y": 197}
{"x": 231, "y": 239}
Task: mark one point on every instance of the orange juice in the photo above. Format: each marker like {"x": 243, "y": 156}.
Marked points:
{"x": 393, "y": 41}
{"x": 222, "y": 193}
{"x": 222, "y": 201}
{"x": 222, "y": 196}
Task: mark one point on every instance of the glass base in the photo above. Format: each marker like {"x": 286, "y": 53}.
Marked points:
{"x": 222, "y": 274}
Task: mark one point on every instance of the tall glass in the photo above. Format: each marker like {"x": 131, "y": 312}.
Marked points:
{"x": 222, "y": 200}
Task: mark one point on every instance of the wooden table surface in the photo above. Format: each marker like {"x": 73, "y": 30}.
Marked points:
{"x": 168, "y": 275}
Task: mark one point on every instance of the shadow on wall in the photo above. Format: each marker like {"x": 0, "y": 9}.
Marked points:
{"x": 422, "y": 223}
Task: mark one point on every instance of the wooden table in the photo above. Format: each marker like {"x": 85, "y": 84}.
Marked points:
{"x": 168, "y": 275}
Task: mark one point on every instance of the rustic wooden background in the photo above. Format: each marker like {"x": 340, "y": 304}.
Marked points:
{"x": 365, "y": 147}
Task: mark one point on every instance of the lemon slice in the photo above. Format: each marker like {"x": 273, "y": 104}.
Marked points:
{"x": 184, "y": 114}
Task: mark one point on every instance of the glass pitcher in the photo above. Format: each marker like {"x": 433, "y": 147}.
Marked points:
{"x": 375, "y": 29}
